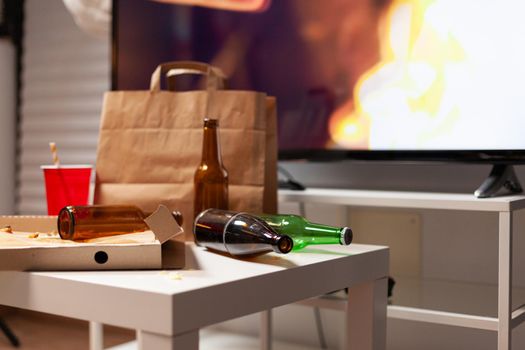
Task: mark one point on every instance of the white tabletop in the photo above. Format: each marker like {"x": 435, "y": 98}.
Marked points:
{"x": 212, "y": 288}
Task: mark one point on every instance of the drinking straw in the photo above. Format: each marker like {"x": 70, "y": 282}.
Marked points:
{"x": 54, "y": 152}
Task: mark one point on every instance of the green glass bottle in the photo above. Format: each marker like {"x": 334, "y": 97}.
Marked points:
{"x": 304, "y": 233}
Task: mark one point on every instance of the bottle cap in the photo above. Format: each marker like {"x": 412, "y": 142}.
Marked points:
{"x": 346, "y": 236}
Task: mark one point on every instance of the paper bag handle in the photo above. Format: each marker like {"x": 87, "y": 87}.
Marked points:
{"x": 215, "y": 76}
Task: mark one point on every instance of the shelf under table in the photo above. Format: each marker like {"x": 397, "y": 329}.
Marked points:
{"x": 454, "y": 303}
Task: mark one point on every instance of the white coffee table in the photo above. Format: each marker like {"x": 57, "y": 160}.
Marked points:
{"x": 169, "y": 308}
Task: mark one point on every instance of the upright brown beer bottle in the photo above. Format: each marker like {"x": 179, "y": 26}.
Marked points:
{"x": 211, "y": 178}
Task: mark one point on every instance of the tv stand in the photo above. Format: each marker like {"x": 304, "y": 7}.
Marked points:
{"x": 288, "y": 182}
{"x": 500, "y": 315}
{"x": 502, "y": 180}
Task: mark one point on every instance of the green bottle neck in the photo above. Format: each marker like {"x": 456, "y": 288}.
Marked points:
{"x": 300, "y": 229}
{"x": 321, "y": 230}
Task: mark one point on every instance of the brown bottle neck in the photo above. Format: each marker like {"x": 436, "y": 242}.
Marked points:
{"x": 211, "y": 152}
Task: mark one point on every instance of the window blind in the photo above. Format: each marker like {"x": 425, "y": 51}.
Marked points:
{"x": 65, "y": 73}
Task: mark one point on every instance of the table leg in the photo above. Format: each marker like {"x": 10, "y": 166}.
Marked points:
{"x": 154, "y": 341}
{"x": 505, "y": 281}
{"x": 266, "y": 330}
{"x": 96, "y": 336}
{"x": 366, "y": 316}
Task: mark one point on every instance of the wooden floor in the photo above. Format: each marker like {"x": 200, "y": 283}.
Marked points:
{"x": 38, "y": 331}
{"x": 211, "y": 339}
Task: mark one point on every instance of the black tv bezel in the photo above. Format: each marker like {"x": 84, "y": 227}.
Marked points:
{"x": 508, "y": 157}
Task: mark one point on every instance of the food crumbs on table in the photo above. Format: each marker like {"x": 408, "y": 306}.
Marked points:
{"x": 33, "y": 235}
{"x": 163, "y": 272}
{"x": 175, "y": 276}
{"x": 6, "y": 229}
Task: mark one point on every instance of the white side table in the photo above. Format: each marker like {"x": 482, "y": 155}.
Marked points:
{"x": 168, "y": 312}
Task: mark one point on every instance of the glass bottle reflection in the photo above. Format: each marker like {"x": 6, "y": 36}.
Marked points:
{"x": 238, "y": 234}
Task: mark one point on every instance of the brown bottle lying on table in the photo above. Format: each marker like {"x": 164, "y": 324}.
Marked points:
{"x": 94, "y": 221}
{"x": 239, "y": 234}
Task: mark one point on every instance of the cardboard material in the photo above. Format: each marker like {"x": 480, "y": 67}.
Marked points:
{"x": 156, "y": 249}
{"x": 163, "y": 224}
{"x": 151, "y": 144}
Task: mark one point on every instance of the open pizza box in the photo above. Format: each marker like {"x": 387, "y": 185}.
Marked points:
{"x": 34, "y": 245}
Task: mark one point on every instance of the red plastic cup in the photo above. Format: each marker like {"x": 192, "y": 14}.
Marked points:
{"x": 66, "y": 185}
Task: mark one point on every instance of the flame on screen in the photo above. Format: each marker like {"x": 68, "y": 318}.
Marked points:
{"x": 449, "y": 72}
{"x": 231, "y": 5}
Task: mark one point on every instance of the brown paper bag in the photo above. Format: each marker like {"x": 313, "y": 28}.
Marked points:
{"x": 151, "y": 142}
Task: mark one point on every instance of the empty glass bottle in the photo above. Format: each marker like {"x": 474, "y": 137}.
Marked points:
{"x": 305, "y": 233}
{"x": 238, "y": 234}
{"x": 93, "y": 221}
{"x": 211, "y": 178}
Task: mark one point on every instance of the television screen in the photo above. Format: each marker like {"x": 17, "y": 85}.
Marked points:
{"x": 392, "y": 77}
